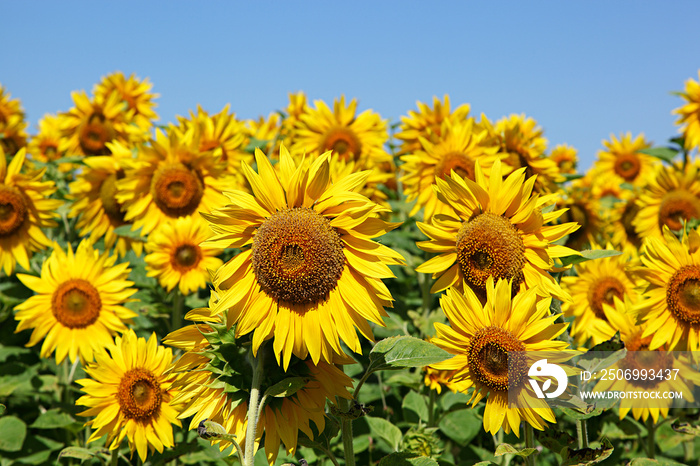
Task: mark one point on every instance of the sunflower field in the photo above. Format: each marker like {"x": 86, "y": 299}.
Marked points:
{"x": 324, "y": 287}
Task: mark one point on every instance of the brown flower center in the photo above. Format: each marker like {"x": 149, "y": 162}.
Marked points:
{"x": 297, "y": 256}
{"x": 677, "y": 206}
{"x": 491, "y": 353}
{"x": 76, "y": 303}
{"x": 139, "y": 395}
{"x": 185, "y": 257}
{"x": 13, "y": 210}
{"x": 457, "y": 161}
{"x": 603, "y": 291}
{"x": 343, "y": 142}
{"x": 177, "y": 190}
{"x": 108, "y": 191}
{"x": 489, "y": 245}
{"x": 94, "y": 135}
{"x": 640, "y": 358}
{"x": 683, "y": 294}
{"x": 627, "y": 166}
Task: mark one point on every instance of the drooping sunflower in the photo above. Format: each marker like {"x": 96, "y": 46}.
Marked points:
{"x": 427, "y": 123}
{"x": 131, "y": 395}
{"x": 13, "y": 135}
{"x": 177, "y": 257}
{"x": 25, "y": 208}
{"x": 78, "y": 305}
{"x": 566, "y": 158}
{"x": 134, "y": 92}
{"x": 94, "y": 200}
{"x": 671, "y": 196}
{"x": 623, "y": 160}
{"x": 217, "y": 389}
{"x": 671, "y": 276}
{"x": 309, "y": 274}
{"x": 498, "y": 230}
{"x": 596, "y": 284}
{"x": 689, "y": 114}
{"x": 172, "y": 178}
{"x": 488, "y": 341}
{"x": 458, "y": 147}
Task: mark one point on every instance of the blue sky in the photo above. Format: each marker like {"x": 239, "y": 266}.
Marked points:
{"x": 583, "y": 70}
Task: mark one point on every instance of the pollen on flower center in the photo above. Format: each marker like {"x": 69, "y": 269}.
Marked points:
{"x": 493, "y": 354}
{"x": 488, "y": 245}
{"x": 683, "y": 294}
{"x": 95, "y": 134}
{"x": 108, "y": 190}
{"x": 603, "y": 291}
{"x": 343, "y": 142}
{"x": 627, "y": 166}
{"x": 13, "y": 210}
{"x": 76, "y": 303}
{"x": 186, "y": 257}
{"x": 297, "y": 256}
{"x": 139, "y": 395}
{"x": 457, "y": 161}
{"x": 177, "y": 190}
{"x": 677, "y": 206}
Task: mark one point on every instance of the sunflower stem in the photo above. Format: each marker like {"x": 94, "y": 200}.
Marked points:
{"x": 178, "y": 307}
{"x": 115, "y": 457}
{"x": 431, "y": 408}
{"x": 253, "y": 408}
{"x": 582, "y": 433}
{"x": 346, "y": 428}
{"x": 651, "y": 438}
{"x": 529, "y": 443}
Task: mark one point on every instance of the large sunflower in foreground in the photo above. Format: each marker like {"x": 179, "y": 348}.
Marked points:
{"x": 671, "y": 274}
{"x": 214, "y": 375}
{"x": 596, "y": 284}
{"x": 24, "y": 210}
{"x": 498, "y": 230}
{"x": 671, "y": 197}
{"x": 177, "y": 257}
{"x": 623, "y": 160}
{"x": 309, "y": 274}
{"x": 77, "y": 307}
{"x": 130, "y": 395}
{"x": 132, "y": 91}
{"x": 172, "y": 178}
{"x": 458, "y": 148}
{"x": 488, "y": 341}
{"x": 689, "y": 114}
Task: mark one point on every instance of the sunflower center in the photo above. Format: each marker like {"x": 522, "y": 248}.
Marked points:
{"x": 603, "y": 291}
{"x": 677, "y": 206}
{"x": 177, "y": 190}
{"x": 683, "y": 294}
{"x": 297, "y": 256}
{"x": 108, "y": 191}
{"x": 13, "y": 210}
{"x": 343, "y": 142}
{"x": 492, "y": 356}
{"x": 489, "y": 245}
{"x": 139, "y": 395}
{"x": 94, "y": 135}
{"x": 76, "y": 303}
{"x": 639, "y": 357}
{"x": 627, "y": 166}
{"x": 457, "y": 161}
{"x": 186, "y": 257}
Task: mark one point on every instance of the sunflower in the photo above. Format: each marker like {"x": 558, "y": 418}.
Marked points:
{"x": 623, "y": 160}
{"x": 213, "y": 377}
{"x": 309, "y": 274}
{"x": 671, "y": 276}
{"x": 44, "y": 146}
{"x": 435, "y": 379}
{"x": 134, "y": 92}
{"x": 171, "y": 178}
{"x": 78, "y": 305}
{"x": 671, "y": 196}
{"x": 498, "y": 230}
{"x": 689, "y": 114}
{"x": 298, "y": 106}
{"x": 594, "y": 287}
{"x": 640, "y": 357}
{"x": 566, "y": 158}
{"x": 130, "y": 394}
{"x": 24, "y": 210}
{"x": 583, "y": 208}
{"x": 94, "y": 201}
{"x": 459, "y": 146}
{"x": 522, "y": 143}
{"x": 427, "y": 123}
{"x": 13, "y": 135}
{"x": 488, "y": 342}
{"x": 176, "y": 256}
{"x": 621, "y": 218}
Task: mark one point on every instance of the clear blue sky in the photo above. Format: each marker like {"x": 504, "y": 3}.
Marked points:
{"x": 583, "y": 70}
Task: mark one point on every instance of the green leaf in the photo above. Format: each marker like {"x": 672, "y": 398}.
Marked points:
{"x": 506, "y": 448}
{"x": 416, "y": 403}
{"x": 12, "y": 433}
{"x": 586, "y": 456}
{"x": 2, "y": 409}
{"x": 461, "y": 426}
{"x": 211, "y": 430}
{"x": 664, "y": 153}
{"x": 286, "y": 387}
{"x": 126, "y": 232}
{"x": 386, "y": 430}
{"x": 76, "y": 452}
{"x": 404, "y": 351}
{"x": 587, "y": 255}
{"x": 52, "y": 419}
{"x": 407, "y": 459}
{"x": 686, "y": 428}
{"x": 555, "y": 440}
{"x": 656, "y": 462}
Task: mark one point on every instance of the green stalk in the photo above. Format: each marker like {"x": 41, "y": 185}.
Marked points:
{"x": 651, "y": 438}
{"x": 115, "y": 457}
{"x": 178, "y": 307}
{"x": 253, "y": 408}
{"x": 529, "y": 443}
{"x": 582, "y": 432}
{"x": 346, "y": 428}
{"x": 431, "y": 408}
